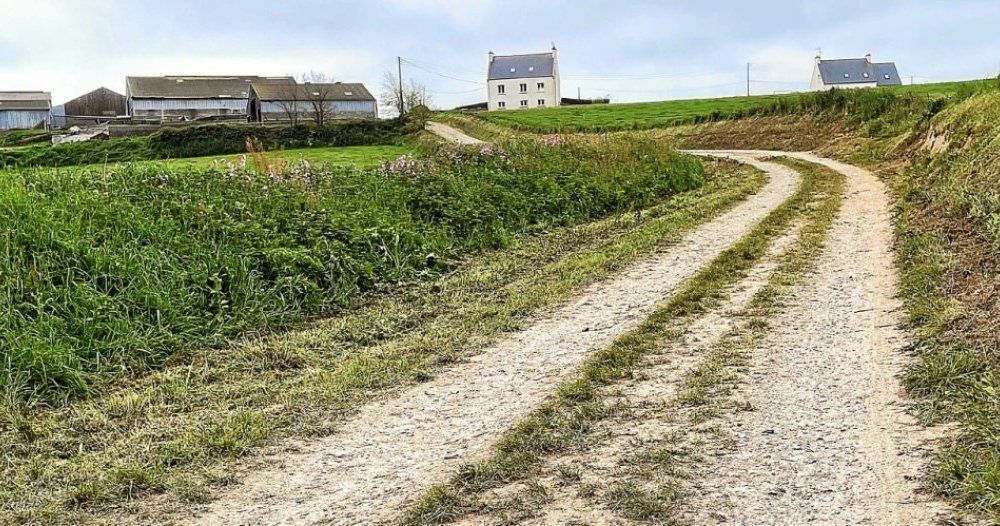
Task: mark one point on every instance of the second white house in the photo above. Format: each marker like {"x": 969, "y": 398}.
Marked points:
{"x": 520, "y": 82}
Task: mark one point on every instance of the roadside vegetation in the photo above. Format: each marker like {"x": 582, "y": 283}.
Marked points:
{"x": 602, "y": 118}
{"x": 113, "y": 272}
{"x": 176, "y": 432}
{"x": 569, "y": 418}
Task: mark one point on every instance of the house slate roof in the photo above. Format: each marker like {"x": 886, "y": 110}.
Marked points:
{"x": 857, "y": 71}
{"x": 522, "y": 66}
{"x": 343, "y": 91}
{"x": 195, "y": 87}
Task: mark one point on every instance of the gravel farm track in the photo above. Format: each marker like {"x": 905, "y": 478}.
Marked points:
{"x": 829, "y": 442}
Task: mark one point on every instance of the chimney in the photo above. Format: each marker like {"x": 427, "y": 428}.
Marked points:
{"x": 492, "y": 56}
{"x": 868, "y": 57}
{"x": 554, "y": 50}
{"x": 818, "y": 58}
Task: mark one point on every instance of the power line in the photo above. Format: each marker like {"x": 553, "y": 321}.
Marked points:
{"x": 432, "y": 72}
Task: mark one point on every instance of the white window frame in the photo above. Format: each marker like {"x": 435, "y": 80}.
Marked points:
{"x": 541, "y": 102}
{"x": 501, "y": 89}
{"x": 501, "y": 105}
{"x": 524, "y": 103}
{"x": 541, "y": 87}
{"x": 524, "y": 87}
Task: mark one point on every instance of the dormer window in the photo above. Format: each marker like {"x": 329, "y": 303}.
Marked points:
{"x": 513, "y": 70}
{"x": 349, "y": 93}
{"x": 865, "y": 75}
{"x": 531, "y": 68}
{"x": 847, "y": 75}
{"x": 887, "y": 76}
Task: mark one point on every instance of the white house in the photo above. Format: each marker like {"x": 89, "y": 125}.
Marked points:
{"x": 853, "y": 73}
{"x": 519, "y": 82}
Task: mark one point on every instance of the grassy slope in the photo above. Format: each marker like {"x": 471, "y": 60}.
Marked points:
{"x": 648, "y": 115}
{"x": 178, "y": 432}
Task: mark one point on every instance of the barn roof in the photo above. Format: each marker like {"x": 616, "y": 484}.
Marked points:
{"x": 858, "y": 70}
{"x": 25, "y": 100}
{"x": 195, "y": 87}
{"x": 522, "y": 66}
{"x": 334, "y": 91}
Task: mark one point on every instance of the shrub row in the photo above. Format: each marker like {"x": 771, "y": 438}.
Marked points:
{"x": 216, "y": 139}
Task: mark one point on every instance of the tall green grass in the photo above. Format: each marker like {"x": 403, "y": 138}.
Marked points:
{"x": 104, "y": 274}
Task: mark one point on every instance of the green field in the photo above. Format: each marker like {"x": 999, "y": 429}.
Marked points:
{"x": 329, "y": 157}
{"x": 648, "y": 115}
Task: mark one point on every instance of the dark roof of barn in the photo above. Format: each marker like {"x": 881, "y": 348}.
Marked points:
{"x": 858, "y": 70}
{"x": 334, "y": 91}
{"x": 194, "y": 87}
{"x": 25, "y": 100}
{"x": 522, "y": 66}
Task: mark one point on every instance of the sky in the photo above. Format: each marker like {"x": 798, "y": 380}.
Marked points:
{"x": 630, "y": 50}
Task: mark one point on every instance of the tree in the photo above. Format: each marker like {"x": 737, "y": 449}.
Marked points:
{"x": 318, "y": 90}
{"x": 290, "y": 93}
{"x": 414, "y": 94}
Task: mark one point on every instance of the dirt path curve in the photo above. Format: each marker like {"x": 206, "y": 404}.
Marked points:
{"x": 398, "y": 447}
{"x": 829, "y": 441}
{"x": 450, "y": 134}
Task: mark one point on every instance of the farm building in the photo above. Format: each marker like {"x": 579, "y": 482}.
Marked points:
{"x": 853, "y": 73}
{"x": 523, "y": 81}
{"x": 180, "y": 98}
{"x": 271, "y": 102}
{"x": 25, "y": 110}
{"x": 97, "y": 107}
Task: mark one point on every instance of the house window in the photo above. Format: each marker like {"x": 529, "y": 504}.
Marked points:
{"x": 887, "y": 76}
{"x": 501, "y": 89}
{"x": 524, "y": 88}
{"x": 866, "y": 75}
{"x": 847, "y": 75}
{"x": 541, "y": 102}
{"x": 501, "y": 105}
{"x": 541, "y": 86}
{"x": 524, "y": 103}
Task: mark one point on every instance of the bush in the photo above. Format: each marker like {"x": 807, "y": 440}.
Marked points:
{"x": 216, "y": 139}
{"x": 111, "y": 272}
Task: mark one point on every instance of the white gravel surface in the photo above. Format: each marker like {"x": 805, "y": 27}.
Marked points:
{"x": 830, "y": 440}
{"x": 398, "y": 447}
{"x": 450, "y": 134}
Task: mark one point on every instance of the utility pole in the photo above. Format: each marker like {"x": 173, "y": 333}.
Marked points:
{"x": 579, "y": 93}
{"x": 402, "y": 104}
{"x": 748, "y": 79}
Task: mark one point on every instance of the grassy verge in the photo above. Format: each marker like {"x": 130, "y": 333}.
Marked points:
{"x": 112, "y": 272}
{"x": 578, "y": 403}
{"x": 177, "y": 432}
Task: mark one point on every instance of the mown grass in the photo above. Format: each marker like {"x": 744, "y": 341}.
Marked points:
{"x": 181, "y": 428}
{"x": 579, "y": 404}
{"x": 649, "y": 115}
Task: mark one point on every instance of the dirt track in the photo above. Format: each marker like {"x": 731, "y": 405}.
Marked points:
{"x": 829, "y": 443}
{"x": 398, "y": 447}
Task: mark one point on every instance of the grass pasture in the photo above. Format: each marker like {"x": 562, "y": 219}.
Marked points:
{"x": 649, "y": 115}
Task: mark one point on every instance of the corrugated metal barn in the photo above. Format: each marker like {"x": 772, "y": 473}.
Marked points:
{"x": 97, "y": 107}
{"x": 295, "y": 102}
{"x": 24, "y": 110}
{"x": 173, "y": 99}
